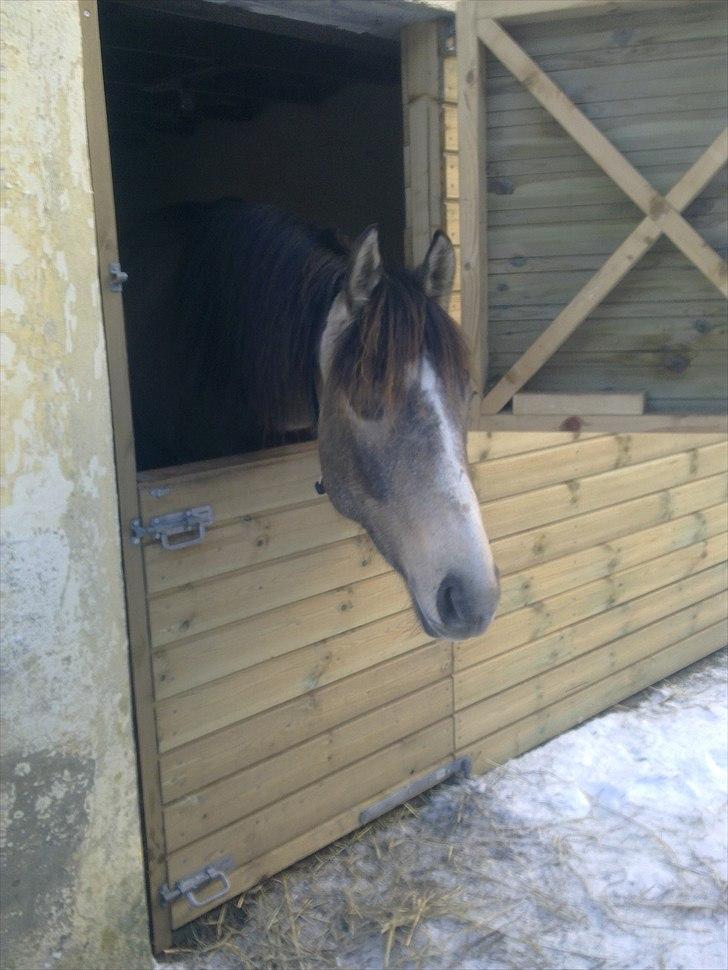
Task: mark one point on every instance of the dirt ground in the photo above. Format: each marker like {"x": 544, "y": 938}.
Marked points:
{"x": 604, "y": 848}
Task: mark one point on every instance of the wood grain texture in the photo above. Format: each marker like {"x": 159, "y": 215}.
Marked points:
{"x": 470, "y": 122}
{"x": 625, "y": 634}
{"x": 551, "y": 403}
{"x": 549, "y": 721}
{"x": 642, "y": 91}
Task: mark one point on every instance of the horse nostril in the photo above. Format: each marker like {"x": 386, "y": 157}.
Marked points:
{"x": 450, "y": 601}
{"x": 465, "y": 607}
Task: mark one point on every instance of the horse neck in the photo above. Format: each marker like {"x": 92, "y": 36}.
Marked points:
{"x": 296, "y": 345}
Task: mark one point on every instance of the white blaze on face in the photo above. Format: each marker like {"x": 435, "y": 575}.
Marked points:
{"x": 456, "y": 541}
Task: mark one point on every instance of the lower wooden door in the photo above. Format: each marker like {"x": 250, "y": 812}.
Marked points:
{"x": 293, "y": 684}
{"x": 294, "y": 689}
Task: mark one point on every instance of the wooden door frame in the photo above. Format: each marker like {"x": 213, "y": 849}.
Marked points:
{"x": 420, "y": 79}
{"x": 140, "y": 652}
{"x": 479, "y": 29}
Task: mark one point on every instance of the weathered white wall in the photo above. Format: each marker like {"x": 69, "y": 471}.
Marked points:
{"x": 72, "y": 886}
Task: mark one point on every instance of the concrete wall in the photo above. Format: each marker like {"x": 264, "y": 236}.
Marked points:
{"x": 72, "y": 887}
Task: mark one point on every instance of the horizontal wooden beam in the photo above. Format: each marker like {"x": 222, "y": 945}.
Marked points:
{"x": 567, "y": 404}
{"x": 605, "y": 423}
{"x": 515, "y": 10}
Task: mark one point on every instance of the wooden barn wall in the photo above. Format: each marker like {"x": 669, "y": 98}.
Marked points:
{"x": 294, "y": 685}
{"x": 597, "y": 604}
{"x": 656, "y": 83}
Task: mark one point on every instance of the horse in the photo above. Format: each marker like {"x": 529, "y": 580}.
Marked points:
{"x": 245, "y": 324}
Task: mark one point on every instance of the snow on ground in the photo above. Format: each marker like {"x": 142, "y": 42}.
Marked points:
{"x": 605, "y": 848}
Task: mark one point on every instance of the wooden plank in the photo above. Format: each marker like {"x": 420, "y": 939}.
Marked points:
{"x": 268, "y": 480}
{"x": 675, "y": 376}
{"x": 540, "y": 507}
{"x": 709, "y": 103}
{"x": 605, "y": 334}
{"x": 580, "y": 705}
{"x": 707, "y": 211}
{"x": 178, "y": 669}
{"x": 324, "y": 833}
{"x": 115, "y": 341}
{"x": 593, "y": 605}
{"x": 664, "y": 422}
{"x": 620, "y": 645}
{"x": 245, "y": 792}
{"x": 217, "y": 703}
{"x": 299, "y": 812}
{"x": 421, "y": 84}
{"x": 658, "y": 163}
{"x": 602, "y": 151}
{"x": 536, "y": 10}
{"x": 631, "y": 132}
{"x": 647, "y": 286}
{"x": 530, "y": 403}
{"x": 526, "y": 549}
{"x": 255, "y": 689}
{"x": 267, "y": 635}
{"x": 190, "y": 610}
{"x": 250, "y": 540}
{"x": 617, "y": 310}
{"x": 642, "y": 27}
{"x": 588, "y": 86}
{"x": 246, "y": 742}
{"x": 556, "y": 189}
{"x": 236, "y": 595}
{"x": 472, "y": 225}
{"x": 539, "y": 581}
{"x": 621, "y": 261}
{"x": 521, "y": 473}
{"x": 512, "y": 629}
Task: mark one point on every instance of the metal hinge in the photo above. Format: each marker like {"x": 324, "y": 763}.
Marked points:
{"x": 188, "y": 886}
{"x": 458, "y": 768}
{"x": 190, "y": 525}
{"x": 117, "y": 277}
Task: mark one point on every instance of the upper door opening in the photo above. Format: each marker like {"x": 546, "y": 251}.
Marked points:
{"x": 200, "y": 110}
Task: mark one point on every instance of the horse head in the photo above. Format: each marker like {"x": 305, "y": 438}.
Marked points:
{"x": 394, "y": 396}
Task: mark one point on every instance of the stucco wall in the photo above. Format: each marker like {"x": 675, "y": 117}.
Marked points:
{"x": 72, "y": 887}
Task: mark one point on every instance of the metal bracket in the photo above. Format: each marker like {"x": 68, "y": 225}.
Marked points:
{"x": 461, "y": 766}
{"x": 188, "y": 886}
{"x": 117, "y": 277}
{"x": 189, "y": 524}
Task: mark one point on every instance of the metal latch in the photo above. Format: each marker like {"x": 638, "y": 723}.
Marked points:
{"x": 190, "y": 525}
{"x": 188, "y": 886}
{"x": 117, "y": 277}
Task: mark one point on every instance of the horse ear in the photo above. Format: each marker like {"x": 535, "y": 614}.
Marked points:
{"x": 365, "y": 268}
{"x": 438, "y": 267}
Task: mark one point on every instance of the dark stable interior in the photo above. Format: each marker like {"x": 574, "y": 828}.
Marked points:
{"x": 200, "y": 109}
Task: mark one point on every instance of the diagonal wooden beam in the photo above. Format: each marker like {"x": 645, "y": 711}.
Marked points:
{"x": 604, "y": 153}
{"x": 603, "y": 282}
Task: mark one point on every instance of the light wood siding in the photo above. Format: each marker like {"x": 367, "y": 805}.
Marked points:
{"x": 294, "y": 685}
{"x": 655, "y": 82}
{"x": 614, "y": 567}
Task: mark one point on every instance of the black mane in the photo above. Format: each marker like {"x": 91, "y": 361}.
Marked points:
{"x": 257, "y": 288}
{"x": 225, "y": 307}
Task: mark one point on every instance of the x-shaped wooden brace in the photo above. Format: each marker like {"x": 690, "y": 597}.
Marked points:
{"x": 662, "y": 213}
